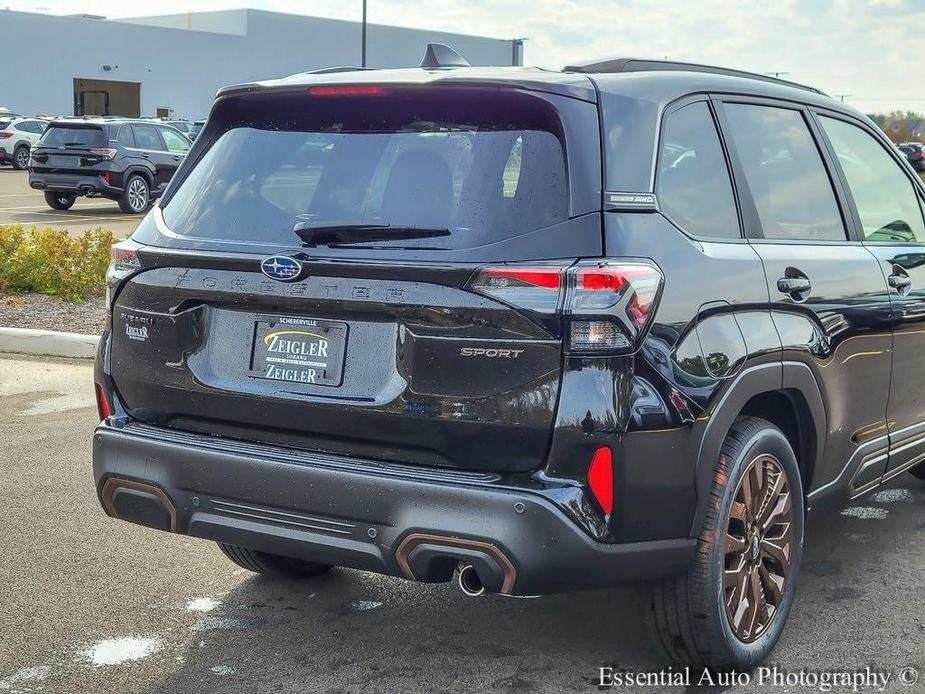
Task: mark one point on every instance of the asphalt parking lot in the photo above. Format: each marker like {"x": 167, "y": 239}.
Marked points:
{"x": 94, "y": 605}
{"x": 19, "y": 204}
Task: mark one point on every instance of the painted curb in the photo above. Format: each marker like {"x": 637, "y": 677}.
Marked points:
{"x": 48, "y": 343}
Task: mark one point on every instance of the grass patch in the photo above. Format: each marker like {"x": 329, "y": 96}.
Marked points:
{"x": 49, "y": 261}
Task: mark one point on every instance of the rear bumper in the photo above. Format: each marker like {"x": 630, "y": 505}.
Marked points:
{"x": 72, "y": 183}
{"x": 393, "y": 520}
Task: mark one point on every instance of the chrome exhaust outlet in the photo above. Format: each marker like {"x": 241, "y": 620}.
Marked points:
{"x": 468, "y": 580}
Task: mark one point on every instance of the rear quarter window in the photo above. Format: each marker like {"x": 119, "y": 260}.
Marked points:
{"x": 693, "y": 184}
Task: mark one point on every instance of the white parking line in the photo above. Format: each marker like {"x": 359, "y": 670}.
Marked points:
{"x": 64, "y": 216}
{"x": 40, "y": 207}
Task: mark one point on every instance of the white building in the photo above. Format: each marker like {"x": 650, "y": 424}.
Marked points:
{"x": 173, "y": 64}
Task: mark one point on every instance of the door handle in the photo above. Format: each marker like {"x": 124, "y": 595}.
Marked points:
{"x": 145, "y": 155}
{"x": 900, "y": 282}
{"x": 176, "y": 158}
{"x": 795, "y": 286}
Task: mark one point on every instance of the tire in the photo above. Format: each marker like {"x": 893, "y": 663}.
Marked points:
{"x": 60, "y": 201}
{"x": 272, "y": 564}
{"x": 136, "y": 196}
{"x": 21, "y": 158}
{"x": 687, "y": 616}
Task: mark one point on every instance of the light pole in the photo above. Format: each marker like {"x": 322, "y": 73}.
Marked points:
{"x": 363, "y": 40}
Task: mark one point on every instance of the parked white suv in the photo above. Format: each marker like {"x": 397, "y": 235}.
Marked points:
{"x": 17, "y": 138}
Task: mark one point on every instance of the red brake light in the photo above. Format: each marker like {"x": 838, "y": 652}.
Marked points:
{"x": 102, "y": 403}
{"x": 347, "y": 90}
{"x": 592, "y": 280}
{"x": 600, "y": 478}
{"x": 5, "y": 135}
{"x": 918, "y": 155}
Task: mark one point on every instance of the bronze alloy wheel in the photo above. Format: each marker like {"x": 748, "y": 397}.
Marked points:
{"x": 758, "y": 548}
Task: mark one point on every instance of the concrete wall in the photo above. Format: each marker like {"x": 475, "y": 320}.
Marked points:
{"x": 182, "y": 68}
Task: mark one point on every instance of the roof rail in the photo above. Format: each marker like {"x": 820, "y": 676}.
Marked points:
{"x": 647, "y": 65}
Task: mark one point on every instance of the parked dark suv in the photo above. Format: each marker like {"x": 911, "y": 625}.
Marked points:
{"x": 915, "y": 153}
{"x": 540, "y": 331}
{"x": 123, "y": 160}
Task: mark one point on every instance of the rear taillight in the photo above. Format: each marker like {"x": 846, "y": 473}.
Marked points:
{"x": 608, "y": 304}
{"x": 124, "y": 262}
{"x": 5, "y": 135}
{"x": 102, "y": 403}
{"x": 104, "y": 152}
{"x": 918, "y": 155}
{"x": 532, "y": 287}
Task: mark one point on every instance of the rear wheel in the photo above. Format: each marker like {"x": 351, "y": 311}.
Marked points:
{"x": 272, "y": 564}
{"x": 729, "y": 610}
{"x": 136, "y": 196}
{"x": 21, "y": 158}
{"x": 60, "y": 201}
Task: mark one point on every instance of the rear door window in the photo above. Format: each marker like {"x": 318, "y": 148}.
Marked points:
{"x": 482, "y": 164}
{"x": 785, "y": 172}
{"x": 73, "y": 136}
{"x": 146, "y": 138}
{"x": 693, "y": 185}
{"x": 885, "y": 198}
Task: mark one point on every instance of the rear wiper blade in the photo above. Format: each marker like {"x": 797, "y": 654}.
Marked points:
{"x": 342, "y": 234}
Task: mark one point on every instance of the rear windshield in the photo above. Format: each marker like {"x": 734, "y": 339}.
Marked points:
{"x": 483, "y": 164}
{"x": 72, "y": 136}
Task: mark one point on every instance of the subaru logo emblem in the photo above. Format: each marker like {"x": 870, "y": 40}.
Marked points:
{"x": 281, "y": 268}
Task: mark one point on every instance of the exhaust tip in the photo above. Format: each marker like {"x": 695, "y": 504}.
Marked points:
{"x": 468, "y": 580}
{"x": 138, "y": 502}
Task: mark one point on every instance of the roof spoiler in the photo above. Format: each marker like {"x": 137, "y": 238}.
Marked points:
{"x": 439, "y": 55}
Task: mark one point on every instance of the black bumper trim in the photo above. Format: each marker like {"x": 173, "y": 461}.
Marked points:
{"x": 359, "y": 518}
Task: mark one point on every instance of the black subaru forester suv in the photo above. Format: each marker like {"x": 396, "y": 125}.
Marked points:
{"x": 123, "y": 159}
{"x": 530, "y": 331}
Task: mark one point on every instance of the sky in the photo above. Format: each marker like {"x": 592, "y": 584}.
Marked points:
{"x": 867, "y": 50}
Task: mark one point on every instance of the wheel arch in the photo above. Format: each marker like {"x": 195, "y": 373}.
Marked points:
{"x": 141, "y": 171}
{"x": 785, "y": 394}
